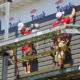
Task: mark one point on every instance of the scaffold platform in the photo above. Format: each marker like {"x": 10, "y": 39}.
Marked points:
{"x": 53, "y": 74}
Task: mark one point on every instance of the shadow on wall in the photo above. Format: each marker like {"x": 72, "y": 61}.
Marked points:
{"x": 68, "y": 56}
{"x": 34, "y": 63}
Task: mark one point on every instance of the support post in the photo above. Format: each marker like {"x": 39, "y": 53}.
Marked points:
{"x": 5, "y": 64}
{"x": 7, "y": 20}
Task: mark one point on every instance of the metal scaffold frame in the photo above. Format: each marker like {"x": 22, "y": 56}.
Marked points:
{"x": 31, "y": 38}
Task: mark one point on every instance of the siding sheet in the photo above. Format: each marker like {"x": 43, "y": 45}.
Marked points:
{"x": 46, "y": 61}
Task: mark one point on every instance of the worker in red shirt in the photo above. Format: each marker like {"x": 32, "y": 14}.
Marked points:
{"x": 61, "y": 19}
{"x": 26, "y": 50}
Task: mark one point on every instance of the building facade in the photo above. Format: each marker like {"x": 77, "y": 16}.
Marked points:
{"x": 43, "y": 12}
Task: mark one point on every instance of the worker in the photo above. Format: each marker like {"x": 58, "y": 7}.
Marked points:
{"x": 61, "y": 19}
{"x": 26, "y": 50}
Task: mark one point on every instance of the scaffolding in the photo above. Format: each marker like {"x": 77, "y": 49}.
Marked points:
{"x": 36, "y": 37}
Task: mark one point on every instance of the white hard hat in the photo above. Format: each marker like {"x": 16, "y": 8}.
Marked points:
{"x": 59, "y": 14}
{"x": 20, "y": 25}
{"x": 36, "y": 25}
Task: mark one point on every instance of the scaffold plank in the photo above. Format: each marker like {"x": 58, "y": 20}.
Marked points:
{"x": 54, "y": 72}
